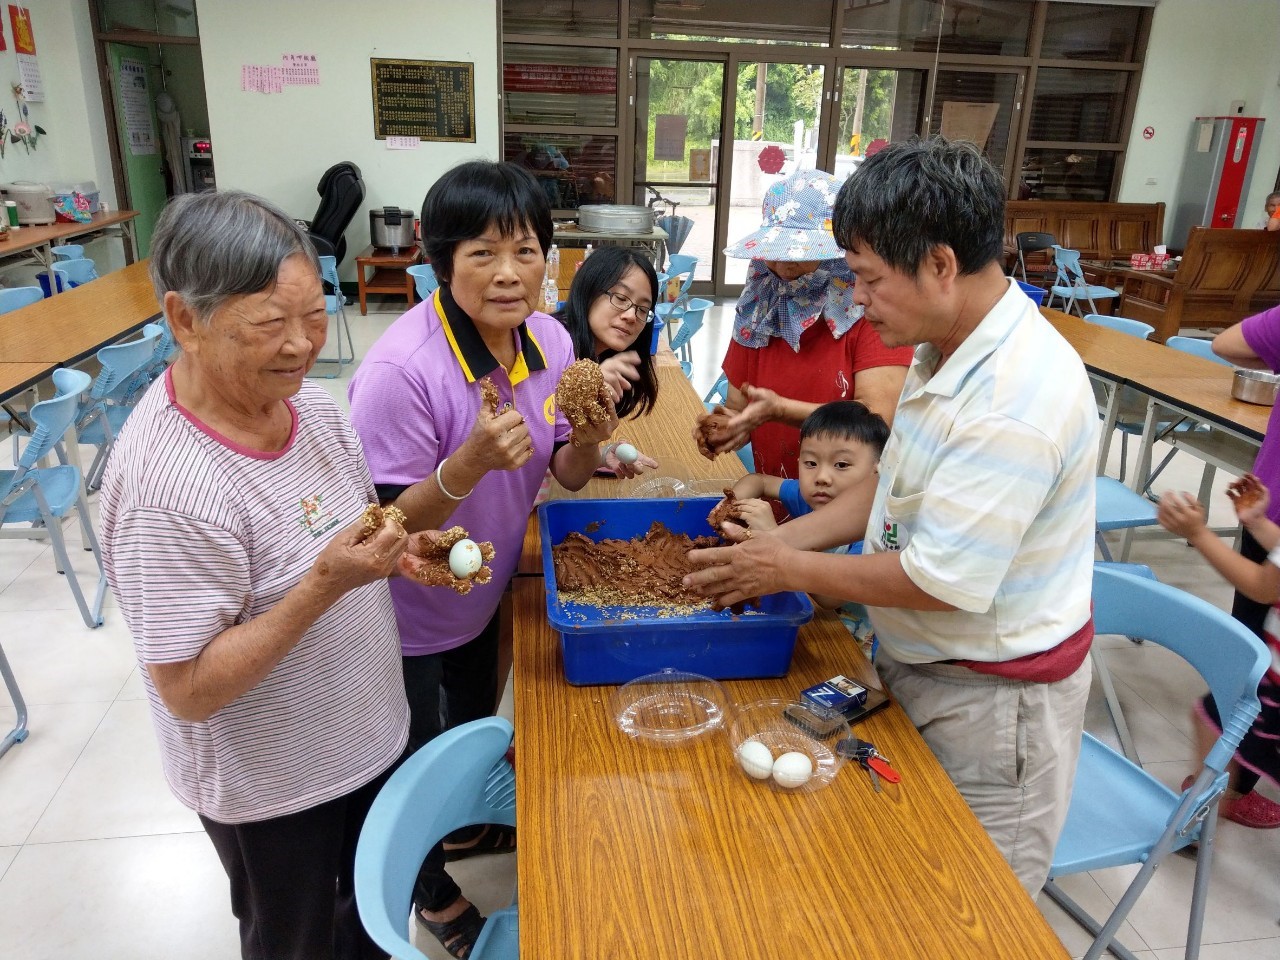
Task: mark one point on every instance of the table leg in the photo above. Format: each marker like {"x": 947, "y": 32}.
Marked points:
{"x": 1108, "y": 422}
{"x": 131, "y": 246}
{"x": 410, "y": 291}
{"x": 48, "y": 266}
{"x": 364, "y": 310}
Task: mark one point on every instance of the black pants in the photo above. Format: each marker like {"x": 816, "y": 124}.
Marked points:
{"x": 292, "y": 880}
{"x": 446, "y": 690}
{"x": 1252, "y": 614}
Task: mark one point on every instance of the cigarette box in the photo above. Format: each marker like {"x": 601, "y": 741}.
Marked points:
{"x": 839, "y": 693}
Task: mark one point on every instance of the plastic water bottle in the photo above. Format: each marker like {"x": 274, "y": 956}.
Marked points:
{"x": 550, "y": 295}
{"x": 553, "y": 263}
{"x": 586, "y": 253}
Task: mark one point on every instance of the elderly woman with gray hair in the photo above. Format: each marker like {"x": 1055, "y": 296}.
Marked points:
{"x": 235, "y": 537}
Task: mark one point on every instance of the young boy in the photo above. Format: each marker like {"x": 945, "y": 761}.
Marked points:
{"x": 1259, "y": 752}
{"x": 840, "y": 447}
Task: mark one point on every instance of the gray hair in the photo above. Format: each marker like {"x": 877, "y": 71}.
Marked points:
{"x": 210, "y": 247}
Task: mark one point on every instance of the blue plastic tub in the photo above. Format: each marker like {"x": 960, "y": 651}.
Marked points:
{"x": 1035, "y": 293}
{"x": 599, "y": 647}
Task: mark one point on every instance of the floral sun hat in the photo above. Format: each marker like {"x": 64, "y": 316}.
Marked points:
{"x": 797, "y": 221}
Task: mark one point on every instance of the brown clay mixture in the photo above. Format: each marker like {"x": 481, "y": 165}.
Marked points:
{"x": 582, "y": 395}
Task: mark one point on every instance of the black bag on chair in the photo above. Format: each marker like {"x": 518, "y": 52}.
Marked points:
{"x": 341, "y": 192}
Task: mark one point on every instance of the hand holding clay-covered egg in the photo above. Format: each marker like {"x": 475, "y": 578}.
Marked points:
{"x": 792, "y": 769}
{"x": 431, "y": 560}
{"x": 756, "y": 760}
{"x": 626, "y": 453}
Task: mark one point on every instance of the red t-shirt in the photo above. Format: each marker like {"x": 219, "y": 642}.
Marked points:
{"x": 823, "y": 370}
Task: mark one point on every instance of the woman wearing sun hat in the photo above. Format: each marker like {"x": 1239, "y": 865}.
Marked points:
{"x": 797, "y": 340}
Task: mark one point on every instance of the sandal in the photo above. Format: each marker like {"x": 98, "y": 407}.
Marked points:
{"x": 492, "y": 838}
{"x": 459, "y": 935}
{"x": 1251, "y": 809}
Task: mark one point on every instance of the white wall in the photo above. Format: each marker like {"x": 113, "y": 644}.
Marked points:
{"x": 278, "y": 145}
{"x": 1203, "y": 55}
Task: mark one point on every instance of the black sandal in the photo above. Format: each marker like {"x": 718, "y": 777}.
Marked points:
{"x": 459, "y": 935}
{"x": 492, "y": 838}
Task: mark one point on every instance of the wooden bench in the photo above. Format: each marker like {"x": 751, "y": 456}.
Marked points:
{"x": 1225, "y": 276}
{"x": 1100, "y": 231}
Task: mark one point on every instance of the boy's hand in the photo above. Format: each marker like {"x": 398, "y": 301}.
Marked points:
{"x": 1181, "y": 514}
{"x": 756, "y": 514}
{"x": 1250, "y": 498}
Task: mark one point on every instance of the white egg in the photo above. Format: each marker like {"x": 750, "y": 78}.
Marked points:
{"x": 626, "y": 453}
{"x": 792, "y": 769}
{"x": 756, "y": 759}
{"x": 465, "y": 558}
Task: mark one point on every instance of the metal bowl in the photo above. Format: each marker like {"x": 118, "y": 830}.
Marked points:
{"x": 1255, "y": 386}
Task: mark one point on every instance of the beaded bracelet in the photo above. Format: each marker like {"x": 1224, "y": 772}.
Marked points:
{"x": 440, "y": 482}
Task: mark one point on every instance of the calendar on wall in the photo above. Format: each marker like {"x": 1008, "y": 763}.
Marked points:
{"x": 426, "y": 99}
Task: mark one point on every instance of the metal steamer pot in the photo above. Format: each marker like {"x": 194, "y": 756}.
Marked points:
{"x": 1255, "y": 386}
{"x": 615, "y": 218}
{"x": 391, "y": 227}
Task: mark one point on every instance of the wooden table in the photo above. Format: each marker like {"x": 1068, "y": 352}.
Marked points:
{"x": 45, "y": 237}
{"x": 390, "y": 272}
{"x": 66, "y": 329}
{"x": 628, "y": 850}
{"x": 16, "y": 377}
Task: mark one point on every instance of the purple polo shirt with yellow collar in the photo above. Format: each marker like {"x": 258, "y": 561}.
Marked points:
{"x": 414, "y": 400}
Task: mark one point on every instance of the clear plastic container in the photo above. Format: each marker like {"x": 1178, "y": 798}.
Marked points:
{"x": 670, "y": 707}
{"x": 780, "y": 726}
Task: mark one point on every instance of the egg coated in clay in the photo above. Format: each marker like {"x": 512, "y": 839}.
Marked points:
{"x": 465, "y": 558}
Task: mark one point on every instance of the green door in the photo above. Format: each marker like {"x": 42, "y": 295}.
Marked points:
{"x": 139, "y": 137}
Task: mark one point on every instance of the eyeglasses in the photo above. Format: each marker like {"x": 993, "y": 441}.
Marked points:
{"x": 623, "y": 303}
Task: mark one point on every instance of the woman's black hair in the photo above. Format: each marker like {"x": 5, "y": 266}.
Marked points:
{"x": 598, "y": 274}
{"x": 471, "y": 197}
{"x": 847, "y": 420}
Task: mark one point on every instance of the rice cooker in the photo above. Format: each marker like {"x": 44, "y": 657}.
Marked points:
{"x": 33, "y": 200}
{"x": 391, "y": 227}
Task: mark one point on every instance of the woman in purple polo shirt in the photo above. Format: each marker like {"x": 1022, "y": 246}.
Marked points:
{"x": 439, "y": 454}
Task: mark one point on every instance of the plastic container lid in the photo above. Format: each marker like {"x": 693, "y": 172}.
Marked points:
{"x": 781, "y": 725}
{"x": 670, "y": 707}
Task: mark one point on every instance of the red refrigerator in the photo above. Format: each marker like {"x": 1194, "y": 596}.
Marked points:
{"x": 1215, "y": 175}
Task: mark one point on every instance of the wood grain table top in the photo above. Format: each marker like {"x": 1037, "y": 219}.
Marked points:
{"x": 16, "y": 377}
{"x": 1185, "y": 380}
{"x": 629, "y": 850}
{"x": 28, "y": 238}
{"x": 664, "y": 434}
{"x": 71, "y": 326}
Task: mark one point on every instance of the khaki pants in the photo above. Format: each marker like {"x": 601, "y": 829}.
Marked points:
{"x": 1009, "y": 747}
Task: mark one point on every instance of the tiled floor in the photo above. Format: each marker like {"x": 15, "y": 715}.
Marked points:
{"x": 97, "y": 860}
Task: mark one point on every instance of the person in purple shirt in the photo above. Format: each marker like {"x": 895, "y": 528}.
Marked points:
{"x": 440, "y": 453}
{"x": 1252, "y": 343}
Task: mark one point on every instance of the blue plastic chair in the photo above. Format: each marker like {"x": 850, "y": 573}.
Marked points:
{"x": 113, "y": 397}
{"x": 334, "y": 306}
{"x": 689, "y": 319}
{"x": 68, "y": 251}
{"x": 718, "y": 393}
{"x": 1217, "y": 449}
{"x": 43, "y": 496}
{"x": 1071, "y": 286}
{"x": 679, "y": 263}
{"x": 682, "y": 267}
{"x": 424, "y": 279}
{"x": 1120, "y": 814}
{"x": 75, "y": 273}
{"x": 14, "y": 298}
{"x": 459, "y": 779}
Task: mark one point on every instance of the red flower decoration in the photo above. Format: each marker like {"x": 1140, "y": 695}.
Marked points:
{"x": 876, "y": 145}
{"x": 771, "y": 159}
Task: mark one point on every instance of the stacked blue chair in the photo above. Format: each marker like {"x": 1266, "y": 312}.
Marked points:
{"x": 334, "y": 303}
{"x": 113, "y": 397}
{"x": 43, "y": 496}
{"x": 459, "y": 779}
{"x": 1120, "y": 815}
{"x": 424, "y": 279}
{"x": 14, "y": 298}
{"x": 68, "y": 251}
{"x": 1071, "y": 287}
{"x": 688, "y": 318}
{"x": 680, "y": 267}
{"x": 75, "y": 273}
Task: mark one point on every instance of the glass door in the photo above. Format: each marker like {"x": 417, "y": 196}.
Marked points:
{"x": 877, "y": 107}
{"x": 980, "y": 105}
{"x": 777, "y": 119}
{"x": 676, "y": 157}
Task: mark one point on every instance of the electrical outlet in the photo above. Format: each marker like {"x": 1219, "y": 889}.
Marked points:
{"x": 1151, "y": 181}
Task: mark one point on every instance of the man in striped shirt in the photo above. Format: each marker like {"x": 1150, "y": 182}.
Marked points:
{"x": 978, "y": 555}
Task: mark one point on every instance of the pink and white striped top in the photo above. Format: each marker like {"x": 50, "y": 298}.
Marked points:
{"x": 200, "y": 535}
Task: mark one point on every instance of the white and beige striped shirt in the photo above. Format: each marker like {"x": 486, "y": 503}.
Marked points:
{"x": 987, "y": 490}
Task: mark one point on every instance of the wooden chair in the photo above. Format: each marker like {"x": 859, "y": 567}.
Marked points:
{"x": 1225, "y": 276}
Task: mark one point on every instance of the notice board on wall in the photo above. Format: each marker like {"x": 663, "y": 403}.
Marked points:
{"x": 427, "y": 99}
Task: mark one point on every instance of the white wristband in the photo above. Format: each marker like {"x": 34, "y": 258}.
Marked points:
{"x": 440, "y": 482}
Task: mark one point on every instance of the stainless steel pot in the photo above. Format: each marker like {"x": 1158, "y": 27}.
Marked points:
{"x": 615, "y": 218}
{"x": 1255, "y": 386}
{"x": 391, "y": 227}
